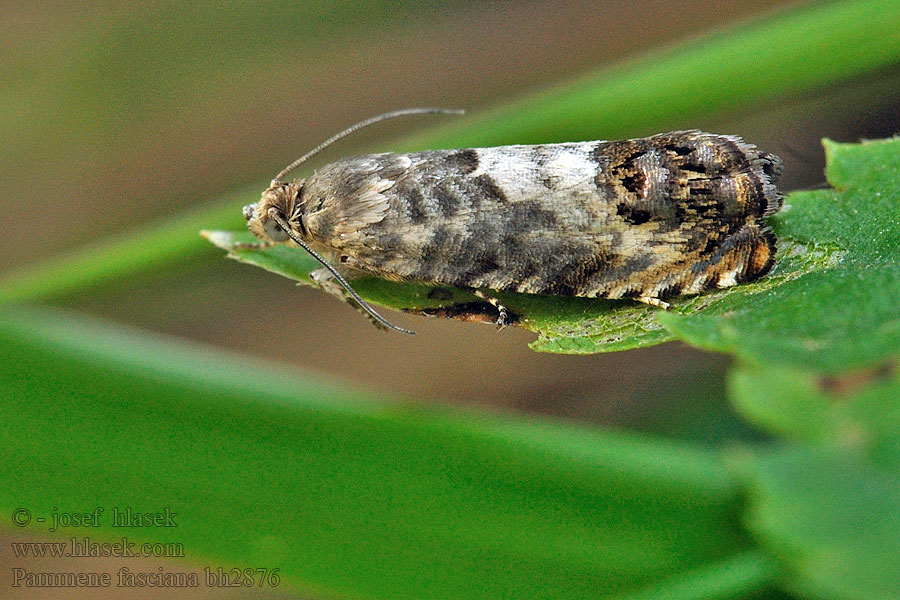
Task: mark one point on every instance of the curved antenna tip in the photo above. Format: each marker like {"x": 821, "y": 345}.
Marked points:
{"x": 406, "y": 112}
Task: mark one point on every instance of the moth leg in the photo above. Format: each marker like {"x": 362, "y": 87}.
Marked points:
{"x": 653, "y": 301}
{"x": 253, "y": 245}
{"x": 503, "y": 316}
{"x": 326, "y": 282}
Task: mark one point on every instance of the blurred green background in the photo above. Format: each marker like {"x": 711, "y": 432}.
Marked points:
{"x": 116, "y": 115}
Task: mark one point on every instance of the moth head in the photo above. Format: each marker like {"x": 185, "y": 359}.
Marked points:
{"x": 278, "y": 216}
{"x": 284, "y": 199}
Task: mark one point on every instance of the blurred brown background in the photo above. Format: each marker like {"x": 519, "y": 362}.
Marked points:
{"x": 121, "y": 114}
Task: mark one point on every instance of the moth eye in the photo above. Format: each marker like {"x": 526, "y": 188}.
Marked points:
{"x": 274, "y": 231}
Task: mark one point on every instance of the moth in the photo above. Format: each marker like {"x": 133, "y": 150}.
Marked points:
{"x": 649, "y": 219}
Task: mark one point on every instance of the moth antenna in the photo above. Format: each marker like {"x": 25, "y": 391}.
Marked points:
{"x": 273, "y": 214}
{"x": 370, "y": 121}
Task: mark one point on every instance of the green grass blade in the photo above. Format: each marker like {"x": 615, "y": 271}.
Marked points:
{"x": 734, "y": 577}
{"x": 346, "y": 494}
{"x": 153, "y": 246}
{"x": 740, "y": 67}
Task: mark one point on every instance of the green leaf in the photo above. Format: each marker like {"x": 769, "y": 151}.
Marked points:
{"x": 346, "y": 493}
{"x": 832, "y": 517}
{"x": 748, "y": 65}
{"x": 844, "y": 315}
{"x": 829, "y": 506}
{"x": 856, "y": 410}
{"x": 820, "y": 369}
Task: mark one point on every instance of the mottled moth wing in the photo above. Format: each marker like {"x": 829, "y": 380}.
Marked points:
{"x": 676, "y": 213}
